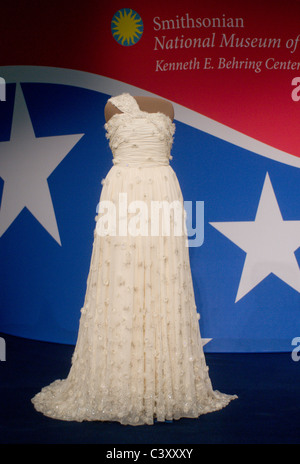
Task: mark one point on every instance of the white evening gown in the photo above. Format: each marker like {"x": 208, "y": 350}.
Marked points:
{"x": 139, "y": 354}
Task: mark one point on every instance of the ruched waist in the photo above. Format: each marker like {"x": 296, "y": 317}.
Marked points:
{"x": 135, "y": 155}
{"x": 140, "y": 160}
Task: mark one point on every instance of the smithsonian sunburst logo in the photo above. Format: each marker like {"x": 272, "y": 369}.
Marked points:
{"x": 127, "y": 27}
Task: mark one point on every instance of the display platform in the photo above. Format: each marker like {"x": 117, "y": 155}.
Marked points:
{"x": 266, "y": 411}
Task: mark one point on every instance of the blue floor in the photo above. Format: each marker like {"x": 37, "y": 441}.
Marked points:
{"x": 266, "y": 412}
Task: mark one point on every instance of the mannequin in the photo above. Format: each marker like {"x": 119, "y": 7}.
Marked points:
{"x": 148, "y": 104}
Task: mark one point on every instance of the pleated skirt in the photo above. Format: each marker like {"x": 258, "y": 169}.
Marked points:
{"x": 139, "y": 355}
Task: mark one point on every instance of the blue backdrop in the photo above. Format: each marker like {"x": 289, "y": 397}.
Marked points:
{"x": 43, "y": 281}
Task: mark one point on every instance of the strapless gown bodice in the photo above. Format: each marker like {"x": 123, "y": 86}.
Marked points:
{"x": 138, "y": 138}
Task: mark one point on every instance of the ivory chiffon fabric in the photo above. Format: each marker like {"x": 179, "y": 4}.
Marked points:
{"x": 139, "y": 354}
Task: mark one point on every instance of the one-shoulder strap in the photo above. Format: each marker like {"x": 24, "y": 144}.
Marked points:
{"x": 126, "y": 103}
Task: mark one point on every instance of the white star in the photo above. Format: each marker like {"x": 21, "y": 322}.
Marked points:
{"x": 269, "y": 243}
{"x": 26, "y": 162}
{"x": 205, "y": 341}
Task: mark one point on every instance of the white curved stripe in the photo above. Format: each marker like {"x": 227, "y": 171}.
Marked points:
{"x": 14, "y": 74}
